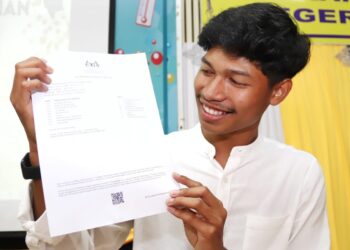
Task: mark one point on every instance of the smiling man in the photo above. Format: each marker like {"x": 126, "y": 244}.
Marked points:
{"x": 232, "y": 94}
{"x": 241, "y": 190}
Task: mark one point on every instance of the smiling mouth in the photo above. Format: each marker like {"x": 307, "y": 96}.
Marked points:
{"x": 214, "y": 113}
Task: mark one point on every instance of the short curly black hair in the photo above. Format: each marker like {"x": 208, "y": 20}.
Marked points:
{"x": 263, "y": 33}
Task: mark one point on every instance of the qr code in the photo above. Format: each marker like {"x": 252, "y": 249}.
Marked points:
{"x": 117, "y": 198}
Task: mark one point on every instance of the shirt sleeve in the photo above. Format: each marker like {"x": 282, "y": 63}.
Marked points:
{"x": 310, "y": 230}
{"x": 38, "y": 236}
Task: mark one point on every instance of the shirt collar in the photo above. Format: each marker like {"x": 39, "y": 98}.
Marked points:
{"x": 247, "y": 148}
{"x": 207, "y": 148}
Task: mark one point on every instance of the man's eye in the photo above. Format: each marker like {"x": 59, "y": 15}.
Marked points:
{"x": 207, "y": 72}
{"x": 239, "y": 84}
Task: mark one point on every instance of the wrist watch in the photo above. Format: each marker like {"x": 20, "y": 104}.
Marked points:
{"x": 29, "y": 171}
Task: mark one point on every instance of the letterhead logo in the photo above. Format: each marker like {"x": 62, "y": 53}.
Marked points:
{"x": 93, "y": 64}
{"x": 92, "y": 67}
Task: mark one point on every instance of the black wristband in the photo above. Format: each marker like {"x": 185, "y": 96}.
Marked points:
{"x": 29, "y": 171}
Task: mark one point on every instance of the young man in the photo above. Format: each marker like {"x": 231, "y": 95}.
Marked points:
{"x": 243, "y": 191}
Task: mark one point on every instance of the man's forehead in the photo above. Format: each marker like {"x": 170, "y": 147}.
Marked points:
{"x": 240, "y": 65}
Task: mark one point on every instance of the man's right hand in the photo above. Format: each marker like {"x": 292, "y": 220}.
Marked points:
{"x": 31, "y": 75}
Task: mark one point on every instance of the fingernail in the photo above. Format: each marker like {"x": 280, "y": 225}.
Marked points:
{"x": 47, "y": 80}
{"x": 49, "y": 69}
{"x": 174, "y": 193}
{"x": 176, "y": 175}
{"x": 45, "y": 88}
{"x": 170, "y": 201}
{"x": 171, "y": 209}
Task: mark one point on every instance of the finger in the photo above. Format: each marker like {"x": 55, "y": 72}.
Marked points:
{"x": 34, "y": 73}
{"x": 34, "y": 62}
{"x": 200, "y": 199}
{"x": 185, "y": 180}
{"x": 192, "y": 219}
{"x": 198, "y": 192}
{"x": 188, "y": 216}
{"x": 198, "y": 206}
{"x": 35, "y": 85}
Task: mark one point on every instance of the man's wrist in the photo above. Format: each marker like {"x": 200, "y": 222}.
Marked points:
{"x": 29, "y": 171}
{"x": 34, "y": 158}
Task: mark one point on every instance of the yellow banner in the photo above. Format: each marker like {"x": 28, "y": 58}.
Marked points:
{"x": 324, "y": 21}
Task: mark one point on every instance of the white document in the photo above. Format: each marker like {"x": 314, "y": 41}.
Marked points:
{"x": 99, "y": 138}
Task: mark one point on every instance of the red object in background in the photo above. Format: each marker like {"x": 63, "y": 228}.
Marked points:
{"x": 157, "y": 58}
{"x": 119, "y": 51}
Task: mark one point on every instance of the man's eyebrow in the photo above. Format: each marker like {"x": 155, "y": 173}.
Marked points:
{"x": 232, "y": 71}
{"x": 239, "y": 72}
{"x": 204, "y": 60}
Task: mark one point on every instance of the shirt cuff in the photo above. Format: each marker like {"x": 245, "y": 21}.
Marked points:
{"x": 38, "y": 233}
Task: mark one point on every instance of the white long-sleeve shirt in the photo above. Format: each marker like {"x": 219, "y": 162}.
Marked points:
{"x": 274, "y": 195}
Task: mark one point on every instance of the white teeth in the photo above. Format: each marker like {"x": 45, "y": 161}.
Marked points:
{"x": 212, "y": 111}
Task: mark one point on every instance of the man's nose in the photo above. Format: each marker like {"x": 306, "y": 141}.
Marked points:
{"x": 215, "y": 89}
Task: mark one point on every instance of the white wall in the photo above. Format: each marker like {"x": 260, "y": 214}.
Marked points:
{"x": 37, "y": 27}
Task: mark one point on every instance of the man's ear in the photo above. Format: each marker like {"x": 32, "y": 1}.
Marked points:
{"x": 280, "y": 91}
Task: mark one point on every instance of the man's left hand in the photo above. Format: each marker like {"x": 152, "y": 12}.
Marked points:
{"x": 202, "y": 213}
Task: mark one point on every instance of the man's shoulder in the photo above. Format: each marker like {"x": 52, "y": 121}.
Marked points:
{"x": 287, "y": 152}
{"x": 281, "y": 159}
{"x": 284, "y": 147}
